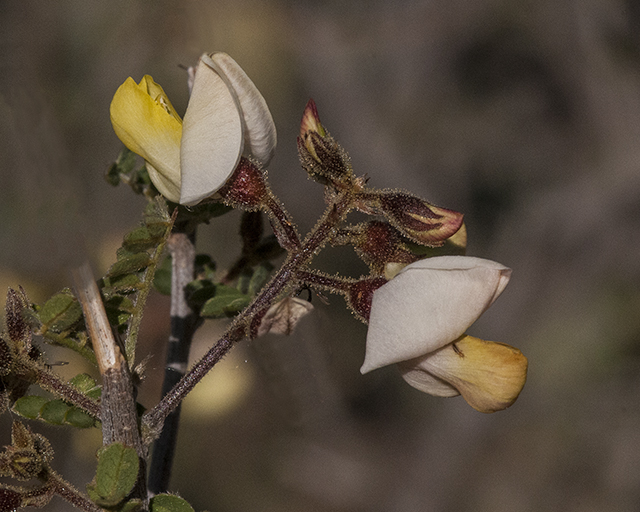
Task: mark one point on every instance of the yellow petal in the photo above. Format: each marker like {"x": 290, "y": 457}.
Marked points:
{"x": 487, "y": 374}
{"x": 158, "y": 95}
{"x": 149, "y": 126}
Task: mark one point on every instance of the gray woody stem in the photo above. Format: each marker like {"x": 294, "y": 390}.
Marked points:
{"x": 118, "y": 405}
{"x": 184, "y": 323}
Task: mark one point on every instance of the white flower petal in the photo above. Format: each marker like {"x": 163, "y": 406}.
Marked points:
{"x": 259, "y": 129}
{"x": 212, "y": 136}
{"x": 165, "y": 186}
{"x": 426, "y": 382}
{"x": 429, "y": 304}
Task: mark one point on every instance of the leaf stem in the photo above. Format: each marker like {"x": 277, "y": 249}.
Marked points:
{"x": 51, "y": 382}
{"x": 69, "y": 493}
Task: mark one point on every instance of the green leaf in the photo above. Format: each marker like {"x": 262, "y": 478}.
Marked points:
{"x": 54, "y": 411}
{"x": 116, "y": 474}
{"x": 144, "y": 237}
{"x": 123, "y": 165}
{"x": 83, "y": 382}
{"x": 225, "y": 304}
{"x": 129, "y": 264}
{"x": 259, "y": 278}
{"x": 60, "y": 312}
{"x": 230, "y": 291}
{"x": 87, "y": 385}
{"x": 122, "y": 283}
{"x": 78, "y": 418}
{"x": 29, "y": 406}
{"x": 204, "y": 266}
{"x": 162, "y": 279}
{"x": 235, "y": 306}
{"x": 200, "y": 291}
{"x": 169, "y": 503}
{"x": 131, "y": 506}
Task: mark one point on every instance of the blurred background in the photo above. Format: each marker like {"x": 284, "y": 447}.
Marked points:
{"x": 525, "y": 116}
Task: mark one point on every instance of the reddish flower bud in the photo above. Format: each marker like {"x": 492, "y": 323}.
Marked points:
{"x": 321, "y": 156}
{"x": 379, "y": 243}
{"x": 311, "y": 121}
{"x": 360, "y": 295}
{"x": 10, "y": 500}
{"x": 418, "y": 220}
{"x": 246, "y": 188}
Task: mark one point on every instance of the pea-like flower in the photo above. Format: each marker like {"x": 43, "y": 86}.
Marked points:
{"x": 226, "y": 117}
{"x": 418, "y": 320}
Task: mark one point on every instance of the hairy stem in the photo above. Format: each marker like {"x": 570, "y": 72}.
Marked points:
{"x": 59, "y": 487}
{"x": 284, "y": 229}
{"x": 51, "y": 382}
{"x": 330, "y": 283}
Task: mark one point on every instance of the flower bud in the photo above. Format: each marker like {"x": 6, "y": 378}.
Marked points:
{"x": 360, "y": 295}
{"x": 25, "y": 464}
{"x": 246, "y": 188}
{"x": 488, "y": 375}
{"x": 378, "y": 243}
{"x": 416, "y": 219}
{"x": 320, "y": 155}
{"x": 311, "y": 122}
{"x": 10, "y": 500}
{"x": 6, "y": 358}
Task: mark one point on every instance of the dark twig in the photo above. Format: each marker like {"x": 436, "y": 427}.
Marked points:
{"x": 184, "y": 323}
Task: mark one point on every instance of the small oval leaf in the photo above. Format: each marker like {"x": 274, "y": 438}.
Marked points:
{"x": 54, "y": 412}
{"x": 129, "y": 264}
{"x": 60, "y": 312}
{"x": 29, "y": 406}
{"x": 169, "y": 503}
{"x": 78, "y": 418}
{"x": 116, "y": 474}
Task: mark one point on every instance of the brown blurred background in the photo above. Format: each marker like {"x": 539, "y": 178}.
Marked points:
{"x": 523, "y": 115}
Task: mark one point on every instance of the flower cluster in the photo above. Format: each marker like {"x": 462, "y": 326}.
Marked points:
{"x": 418, "y": 308}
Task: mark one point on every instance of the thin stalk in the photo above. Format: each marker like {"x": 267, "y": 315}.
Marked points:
{"x": 285, "y": 229}
{"x": 331, "y": 283}
{"x": 51, "y": 382}
{"x": 69, "y": 493}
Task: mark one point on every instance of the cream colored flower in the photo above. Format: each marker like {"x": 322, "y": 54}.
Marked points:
{"x": 226, "y": 117}
{"x": 418, "y": 315}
